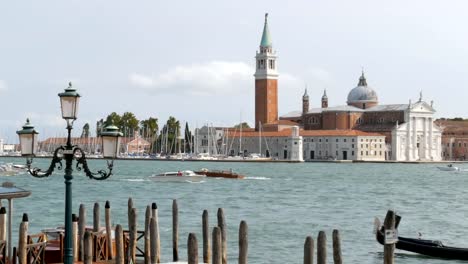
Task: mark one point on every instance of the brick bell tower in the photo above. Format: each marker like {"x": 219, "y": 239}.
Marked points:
{"x": 266, "y": 81}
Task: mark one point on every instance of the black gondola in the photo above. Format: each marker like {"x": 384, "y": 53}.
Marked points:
{"x": 433, "y": 248}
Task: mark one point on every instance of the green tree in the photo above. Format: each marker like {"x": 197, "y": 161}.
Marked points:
{"x": 243, "y": 125}
{"x": 168, "y": 137}
{"x": 149, "y": 129}
{"x": 188, "y": 138}
{"x": 113, "y": 119}
{"x": 129, "y": 124}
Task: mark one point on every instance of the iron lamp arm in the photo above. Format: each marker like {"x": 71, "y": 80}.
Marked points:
{"x": 82, "y": 164}
{"x": 56, "y": 162}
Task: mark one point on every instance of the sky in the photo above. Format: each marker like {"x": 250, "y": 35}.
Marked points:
{"x": 194, "y": 60}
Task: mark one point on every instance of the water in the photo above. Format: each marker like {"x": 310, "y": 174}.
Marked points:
{"x": 282, "y": 204}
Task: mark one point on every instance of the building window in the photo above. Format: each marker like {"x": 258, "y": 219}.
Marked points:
{"x": 367, "y": 153}
{"x": 352, "y": 153}
{"x": 312, "y": 140}
{"x": 344, "y": 140}
{"x": 326, "y": 140}
{"x": 362, "y": 153}
{"x": 337, "y": 140}
{"x": 380, "y": 153}
{"x": 320, "y": 140}
{"x": 337, "y": 153}
{"x": 352, "y": 140}
{"x": 459, "y": 144}
{"x": 352, "y": 145}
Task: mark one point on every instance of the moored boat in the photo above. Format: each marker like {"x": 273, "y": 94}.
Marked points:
{"x": 180, "y": 176}
{"x": 433, "y": 248}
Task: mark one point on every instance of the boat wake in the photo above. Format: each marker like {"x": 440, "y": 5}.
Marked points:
{"x": 258, "y": 178}
{"x": 134, "y": 180}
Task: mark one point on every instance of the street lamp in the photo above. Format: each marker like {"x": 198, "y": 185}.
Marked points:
{"x": 69, "y": 101}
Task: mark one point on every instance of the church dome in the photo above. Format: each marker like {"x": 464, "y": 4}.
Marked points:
{"x": 362, "y": 93}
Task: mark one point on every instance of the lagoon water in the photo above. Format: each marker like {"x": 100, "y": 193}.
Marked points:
{"x": 281, "y": 202}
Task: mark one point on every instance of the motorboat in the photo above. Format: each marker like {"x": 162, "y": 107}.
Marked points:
{"x": 10, "y": 169}
{"x": 178, "y": 176}
{"x": 220, "y": 174}
{"x": 449, "y": 167}
{"x": 432, "y": 248}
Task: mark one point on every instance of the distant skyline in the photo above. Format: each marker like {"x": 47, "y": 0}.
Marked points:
{"x": 194, "y": 60}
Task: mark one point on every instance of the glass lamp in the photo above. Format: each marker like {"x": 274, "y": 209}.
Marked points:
{"x": 28, "y": 139}
{"x": 110, "y": 141}
{"x": 69, "y": 101}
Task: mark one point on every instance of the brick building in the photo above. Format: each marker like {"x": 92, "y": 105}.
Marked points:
{"x": 454, "y": 139}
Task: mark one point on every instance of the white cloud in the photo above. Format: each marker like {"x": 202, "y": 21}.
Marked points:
{"x": 3, "y": 86}
{"x": 216, "y": 77}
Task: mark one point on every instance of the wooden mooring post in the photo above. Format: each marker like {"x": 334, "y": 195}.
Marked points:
{"x": 223, "y": 229}
{"x": 322, "y": 248}
{"x": 154, "y": 254}
{"x": 243, "y": 242}
{"x": 119, "y": 245}
{"x": 217, "y": 248}
{"x": 309, "y": 250}
{"x": 133, "y": 235}
{"x": 147, "y": 234}
{"x": 96, "y": 218}
{"x": 88, "y": 248}
{"x": 81, "y": 230}
{"x": 192, "y": 249}
{"x": 75, "y": 236}
{"x": 389, "y": 248}
{"x": 337, "y": 257}
{"x": 157, "y": 239}
{"x": 3, "y": 224}
{"x": 175, "y": 231}
{"x": 23, "y": 240}
{"x": 110, "y": 250}
{"x": 206, "y": 237}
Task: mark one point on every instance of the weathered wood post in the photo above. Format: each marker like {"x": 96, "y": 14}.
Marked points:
{"x": 110, "y": 249}
{"x": 23, "y": 240}
{"x": 133, "y": 234}
{"x": 147, "y": 234}
{"x": 3, "y": 222}
{"x": 206, "y": 237}
{"x": 81, "y": 230}
{"x": 157, "y": 239}
{"x": 96, "y": 218}
{"x": 389, "y": 249}
{"x": 217, "y": 248}
{"x": 192, "y": 249}
{"x": 129, "y": 210}
{"x": 153, "y": 244}
{"x": 88, "y": 248}
{"x": 119, "y": 245}
{"x": 75, "y": 236}
{"x": 337, "y": 257}
{"x": 322, "y": 248}
{"x": 243, "y": 242}
{"x": 175, "y": 231}
{"x": 223, "y": 229}
{"x": 309, "y": 250}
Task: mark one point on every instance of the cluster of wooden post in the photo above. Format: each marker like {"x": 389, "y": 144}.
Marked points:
{"x": 322, "y": 248}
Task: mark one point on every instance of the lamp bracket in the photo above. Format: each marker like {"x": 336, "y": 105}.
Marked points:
{"x": 56, "y": 162}
{"x": 82, "y": 164}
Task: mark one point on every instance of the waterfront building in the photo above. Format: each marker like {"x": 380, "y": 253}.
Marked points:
{"x": 454, "y": 139}
{"x": 409, "y": 129}
{"x": 209, "y": 139}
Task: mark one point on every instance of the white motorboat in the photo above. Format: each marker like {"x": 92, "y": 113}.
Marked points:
{"x": 449, "y": 167}
{"x": 9, "y": 169}
{"x": 178, "y": 176}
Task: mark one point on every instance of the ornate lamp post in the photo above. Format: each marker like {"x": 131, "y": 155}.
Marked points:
{"x": 69, "y": 101}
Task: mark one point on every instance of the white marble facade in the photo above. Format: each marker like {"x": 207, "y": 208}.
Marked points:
{"x": 418, "y": 139}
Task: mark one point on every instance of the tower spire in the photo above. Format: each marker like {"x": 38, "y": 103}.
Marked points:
{"x": 266, "y": 38}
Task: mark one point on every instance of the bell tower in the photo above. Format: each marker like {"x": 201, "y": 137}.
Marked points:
{"x": 266, "y": 81}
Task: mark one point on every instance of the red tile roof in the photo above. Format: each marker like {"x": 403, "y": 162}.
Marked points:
{"x": 308, "y": 133}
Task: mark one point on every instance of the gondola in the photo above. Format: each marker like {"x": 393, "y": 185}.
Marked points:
{"x": 433, "y": 248}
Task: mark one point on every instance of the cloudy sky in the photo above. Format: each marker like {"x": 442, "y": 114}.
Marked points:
{"x": 194, "y": 59}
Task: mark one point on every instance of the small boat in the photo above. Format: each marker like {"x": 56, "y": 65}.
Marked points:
{"x": 9, "y": 169}
{"x": 179, "y": 176}
{"x": 220, "y": 174}
{"x": 449, "y": 167}
{"x": 432, "y": 248}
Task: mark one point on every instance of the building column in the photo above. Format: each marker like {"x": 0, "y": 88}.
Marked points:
{"x": 426, "y": 138}
{"x": 415, "y": 140}
{"x": 431, "y": 139}
{"x": 408, "y": 140}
